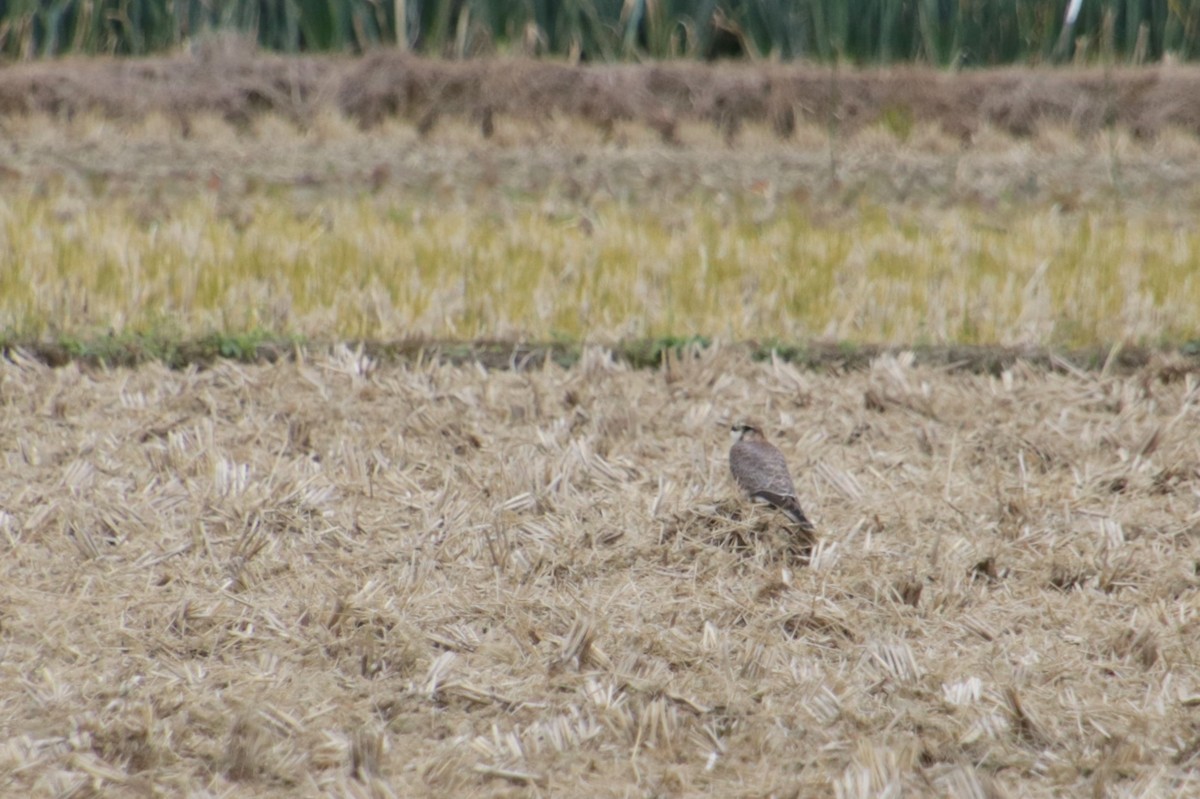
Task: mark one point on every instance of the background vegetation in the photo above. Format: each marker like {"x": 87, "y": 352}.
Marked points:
{"x": 557, "y": 231}
{"x": 353, "y": 269}
{"x": 970, "y": 32}
{"x": 224, "y": 192}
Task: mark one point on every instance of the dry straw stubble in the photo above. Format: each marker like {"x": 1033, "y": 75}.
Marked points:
{"x": 334, "y": 576}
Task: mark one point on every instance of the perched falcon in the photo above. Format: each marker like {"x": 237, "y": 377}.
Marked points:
{"x": 762, "y": 472}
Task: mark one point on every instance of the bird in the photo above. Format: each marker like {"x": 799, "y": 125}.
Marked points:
{"x": 760, "y": 469}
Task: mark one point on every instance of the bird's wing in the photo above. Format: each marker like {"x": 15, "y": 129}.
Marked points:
{"x": 759, "y": 466}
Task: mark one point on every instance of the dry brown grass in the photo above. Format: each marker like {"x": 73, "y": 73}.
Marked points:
{"x": 334, "y": 577}
{"x": 229, "y": 78}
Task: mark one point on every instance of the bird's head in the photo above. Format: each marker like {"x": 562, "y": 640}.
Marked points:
{"x": 745, "y": 431}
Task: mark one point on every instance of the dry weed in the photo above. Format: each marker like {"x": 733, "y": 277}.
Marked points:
{"x": 332, "y": 577}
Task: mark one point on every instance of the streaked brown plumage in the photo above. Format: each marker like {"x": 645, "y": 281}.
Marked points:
{"x": 761, "y": 470}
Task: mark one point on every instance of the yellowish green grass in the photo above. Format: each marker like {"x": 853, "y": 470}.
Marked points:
{"x": 752, "y": 267}
{"x": 555, "y": 230}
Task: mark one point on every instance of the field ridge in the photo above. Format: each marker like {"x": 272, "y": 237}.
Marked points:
{"x": 132, "y": 351}
{"x": 240, "y": 84}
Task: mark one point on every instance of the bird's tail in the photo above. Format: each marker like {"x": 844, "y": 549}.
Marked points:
{"x": 804, "y": 537}
{"x": 796, "y": 514}
{"x": 790, "y": 506}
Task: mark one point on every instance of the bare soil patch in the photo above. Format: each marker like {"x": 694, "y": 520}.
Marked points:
{"x": 425, "y": 579}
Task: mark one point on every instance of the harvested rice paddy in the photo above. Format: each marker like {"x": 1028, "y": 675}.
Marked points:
{"x": 333, "y": 576}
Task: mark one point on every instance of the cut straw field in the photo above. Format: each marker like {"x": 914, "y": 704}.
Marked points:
{"x": 338, "y": 577}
